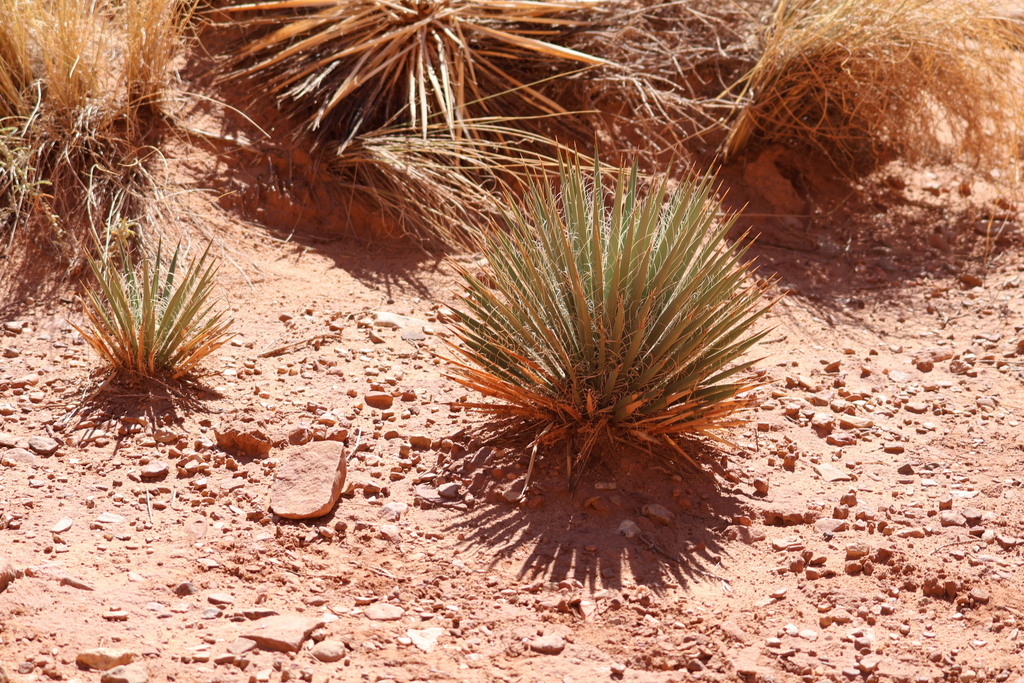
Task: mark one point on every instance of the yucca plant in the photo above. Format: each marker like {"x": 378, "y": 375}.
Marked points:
{"x": 611, "y": 320}
{"x": 150, "y": 317}
{"x": 363, "y": 64}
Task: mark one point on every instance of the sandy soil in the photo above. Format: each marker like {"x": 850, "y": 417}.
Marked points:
{"x": 869, "y": 523}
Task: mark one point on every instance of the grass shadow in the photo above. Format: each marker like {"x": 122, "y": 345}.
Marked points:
{"x": 122, "y": 405}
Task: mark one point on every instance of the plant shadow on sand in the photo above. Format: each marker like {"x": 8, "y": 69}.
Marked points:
{"x": 638, "y": 524}
{"x": 120, "y": 406}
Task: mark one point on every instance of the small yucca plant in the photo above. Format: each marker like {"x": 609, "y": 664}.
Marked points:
{"x": 611, "y": 321}
{"x": 150, "y": 317}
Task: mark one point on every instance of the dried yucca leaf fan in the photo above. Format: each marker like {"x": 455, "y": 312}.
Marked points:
{"x": 363, "y": 64}
{"x": 611, "y": 322}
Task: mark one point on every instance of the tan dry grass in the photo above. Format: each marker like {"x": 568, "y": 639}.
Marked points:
{"x": 72, "y": 75}
{"x": 865, "y": 79}
{"x": 15, "y": 66}
{"x": 155, "y": 31}
{"x": 491, "y": 89}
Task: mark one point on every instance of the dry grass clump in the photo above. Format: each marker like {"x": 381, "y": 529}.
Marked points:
{"x": 357, "y": 65}
{"x": 864, "y": 79}
{"x": 610, "y": 320}
{"x": 154, "y": 31}
{"x": 81, "y": 88}
{"x": 15, "y": 68}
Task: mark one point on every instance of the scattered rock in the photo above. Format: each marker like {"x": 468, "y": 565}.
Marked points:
{"x": 828, "y": 525}
{"x": 925, "y": 360}
{"x": 1006, "y": 542}
{"x": 154, "y": 470}
{"x": 220, "y": 599}
{"x": 548, "y": 645}
{"x": 255, "y": 613}
{"x": 857, "y": 550}
{"x": 855, "y": 422}
{"x": 940, "y": 587}
{"x": 392, "y": 512}
{"x": 395, "y": 321}
{"x": 129, "y": 673}
{"x": 629, "y": 528}
{"x": 421, "y": 441}
{"x": 979, "y": 596}
{"x": 379, "y": 399}
{"x": 244, "y": 438}
{"x": 185, "y": 588}
{"x": 7, "y": 574}
{"x": 952, "y": 518}
{"x": 310, "y": 480}
{"x": 43, "y": 445}
{"x": 18, "y": 456}
{"x": 830, "y": 473}
{"x": 383, "y": 611}
{"x": 329, "y": 651}
{"x": 905, "y": 468}
{"x": 869, "y": 663}
{"x": 284, "y": 633}
{"x": 449, "y": 491}
{"x": 391, "y": 533}
{"x": 658, "y": 513}
{"x": 972, "y": 516}
{"x": 103, "y": 658}
{"x": 841, "y": 439}
{"x": 425, "y": 639}
{"x": 109, "y": 518}
{"x": 788, "y": 543}
{"x": 62, "y": 525}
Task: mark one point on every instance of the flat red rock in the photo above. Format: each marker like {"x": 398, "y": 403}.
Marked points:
{"x": 309, "y": 481}
{"x": 284, "y": 633}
